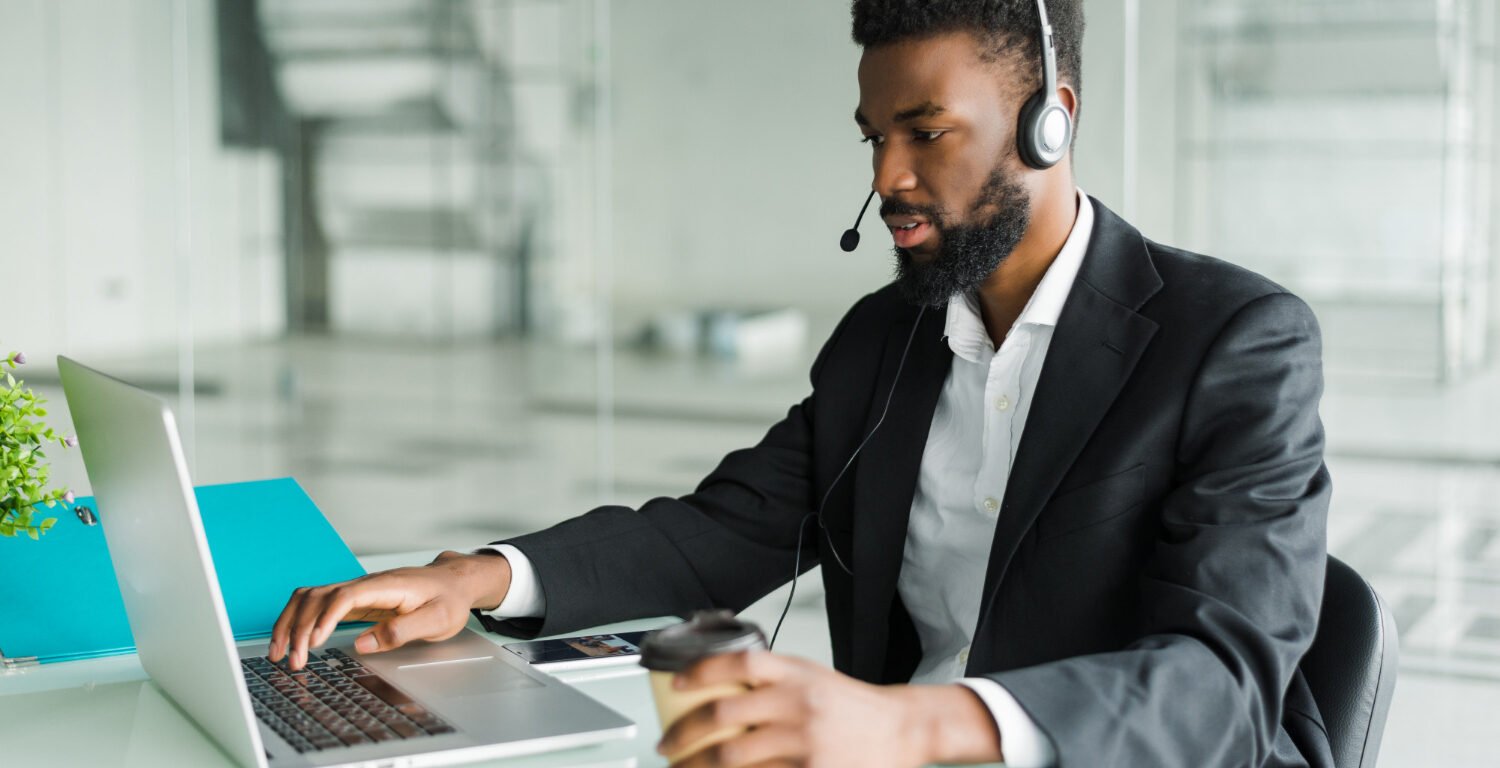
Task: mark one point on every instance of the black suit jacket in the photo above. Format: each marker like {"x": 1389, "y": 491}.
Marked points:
{"x": 1158, "y": 563}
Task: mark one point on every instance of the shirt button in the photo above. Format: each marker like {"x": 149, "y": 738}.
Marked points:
{"x": 1002, "y": 403}
{"x": 991, "y": 505}
{"x": 963, "y": 656}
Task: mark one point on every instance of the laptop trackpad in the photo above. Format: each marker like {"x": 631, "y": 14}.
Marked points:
{"x": 465, "y": 677}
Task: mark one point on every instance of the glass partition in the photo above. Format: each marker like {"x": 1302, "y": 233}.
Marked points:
{"x": 1346, "y": 148}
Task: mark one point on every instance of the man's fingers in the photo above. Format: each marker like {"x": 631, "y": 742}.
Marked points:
{"x": 776, "y": 745}
{"x": 306, "y": 617}
{"x": 312, "y": 614}
{"x": 277, "y": 647}
{"x": 759, "y": 708}
{"x": 281, "y": 631}
{"x": 763, "y": 745}
{"x": 374, "y": 600}
{"x": 752, "y": 668}
{"x": 320, "y": 609}
{"x": 370, "y": 614}
{"x": 377, "y": 598}
{"x": 432, "y": 621}
{"x": 334, "y": 611}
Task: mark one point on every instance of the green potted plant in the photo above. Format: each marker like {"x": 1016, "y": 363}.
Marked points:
{"x": 23, "y": 473}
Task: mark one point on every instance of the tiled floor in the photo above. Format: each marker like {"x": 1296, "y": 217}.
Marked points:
{"x": 411, "y": 447}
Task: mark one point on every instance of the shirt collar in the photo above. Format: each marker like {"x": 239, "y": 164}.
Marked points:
{"x": 965, "y": 329}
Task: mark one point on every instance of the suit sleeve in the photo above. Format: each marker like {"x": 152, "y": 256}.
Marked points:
{"x": 726, "y": 545}
{"x": 1232, "y": 589}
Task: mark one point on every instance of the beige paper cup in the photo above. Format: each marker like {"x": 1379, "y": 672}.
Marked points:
{"x": 674, "y": 649}
{"x": 672, "y": 704}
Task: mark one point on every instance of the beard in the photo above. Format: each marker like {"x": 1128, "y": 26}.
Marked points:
{"x": 967, "y": 254}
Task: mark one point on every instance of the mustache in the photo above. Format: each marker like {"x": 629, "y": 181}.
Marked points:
{"x": 894, "y": 207}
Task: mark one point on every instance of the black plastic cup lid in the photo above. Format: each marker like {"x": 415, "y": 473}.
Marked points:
{"x": 707, "y": 633}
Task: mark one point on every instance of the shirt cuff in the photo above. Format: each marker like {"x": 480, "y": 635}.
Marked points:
{"x": 1021, "y": 741}
{"x": 524, "y": 599}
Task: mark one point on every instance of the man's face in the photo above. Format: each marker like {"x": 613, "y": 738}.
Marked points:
{"x": 942, "y": 125}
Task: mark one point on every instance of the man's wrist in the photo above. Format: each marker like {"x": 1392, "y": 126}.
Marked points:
{"x": 490, "y": 580}
{"x": 954, "y": 724}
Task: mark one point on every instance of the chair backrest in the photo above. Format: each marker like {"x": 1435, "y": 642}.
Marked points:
{"x": 1351, "y": 666}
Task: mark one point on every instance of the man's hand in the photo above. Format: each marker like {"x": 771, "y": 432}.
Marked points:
{"x": 801, "y": 713}
{"x": 431, "y": 602}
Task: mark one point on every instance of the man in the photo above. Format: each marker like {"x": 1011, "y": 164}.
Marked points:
{"x": 1067, "y": 481}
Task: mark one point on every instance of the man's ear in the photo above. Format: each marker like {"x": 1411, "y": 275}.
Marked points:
{"x": 1069, "y": 99}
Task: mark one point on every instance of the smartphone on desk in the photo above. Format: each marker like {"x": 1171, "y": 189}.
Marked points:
{"x": 583, "y": 652}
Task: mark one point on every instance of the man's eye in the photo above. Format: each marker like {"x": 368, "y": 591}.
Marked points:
{"x": 929, "y": 135}
{"x": 873, "y": 140}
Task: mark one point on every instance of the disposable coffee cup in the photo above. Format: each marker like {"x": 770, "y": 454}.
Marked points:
{"x": 668, "y": 651}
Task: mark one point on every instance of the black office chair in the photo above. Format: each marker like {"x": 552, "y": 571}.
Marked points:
{"x": 1351, "y": 666}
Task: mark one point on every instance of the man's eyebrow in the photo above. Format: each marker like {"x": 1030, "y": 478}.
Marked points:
{"x": 925, "y": 109}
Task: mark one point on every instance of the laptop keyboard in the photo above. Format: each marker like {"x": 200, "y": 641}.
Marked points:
{"x": 334, "y": 701}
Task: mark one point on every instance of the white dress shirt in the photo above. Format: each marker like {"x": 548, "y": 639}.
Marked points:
{"x": 965, "y": 467}
{"x": 976, "y": 430}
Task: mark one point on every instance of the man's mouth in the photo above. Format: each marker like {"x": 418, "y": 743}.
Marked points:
{"x": 908, "y": 231}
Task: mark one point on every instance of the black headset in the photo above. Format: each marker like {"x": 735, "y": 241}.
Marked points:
{"x": 1044, "y": 131}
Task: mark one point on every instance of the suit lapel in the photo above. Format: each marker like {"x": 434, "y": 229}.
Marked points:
{"x": 1098, "y": 340}
{"x": 886, "y": 478}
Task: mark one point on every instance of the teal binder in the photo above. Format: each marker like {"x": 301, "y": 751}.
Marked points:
{"x": 61, "y": 601}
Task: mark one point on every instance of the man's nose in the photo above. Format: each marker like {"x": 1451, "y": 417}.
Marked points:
{"x": 893, "y": 173}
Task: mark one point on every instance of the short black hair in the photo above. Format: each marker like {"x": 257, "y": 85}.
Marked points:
{"x": 1004, "y": 27}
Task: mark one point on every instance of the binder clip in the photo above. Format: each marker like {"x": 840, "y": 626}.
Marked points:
{"x": 86, "y": 515}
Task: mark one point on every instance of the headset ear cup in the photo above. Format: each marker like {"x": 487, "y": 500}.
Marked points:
{"x": 1029, "y": 132}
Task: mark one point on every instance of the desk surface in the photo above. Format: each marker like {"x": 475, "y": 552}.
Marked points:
{"x": 104, "y": 712}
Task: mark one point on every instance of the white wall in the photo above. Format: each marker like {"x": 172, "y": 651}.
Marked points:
{"x": 90, "y": 252}
{"x": 737, "y": 160}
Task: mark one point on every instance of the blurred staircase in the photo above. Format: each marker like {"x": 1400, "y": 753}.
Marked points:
{"x": 426, "y": 204}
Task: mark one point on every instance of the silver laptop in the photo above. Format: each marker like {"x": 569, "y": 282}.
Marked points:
{"x": 428, "y": 704}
